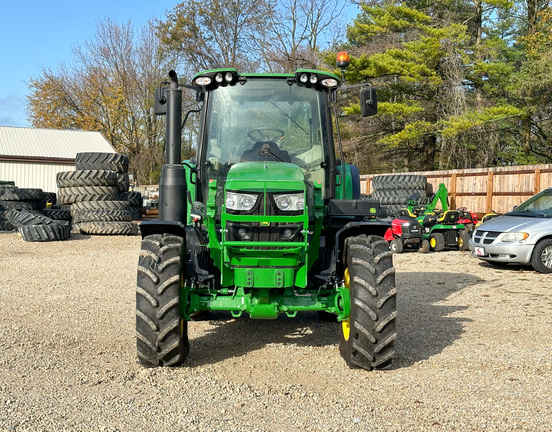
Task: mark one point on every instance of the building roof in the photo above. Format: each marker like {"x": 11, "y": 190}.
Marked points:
{"x": 18, "y": 143}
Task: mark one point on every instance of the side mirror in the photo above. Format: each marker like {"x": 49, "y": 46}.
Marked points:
{"x": 160, "y": 103}
{"x": 368, "y": 102}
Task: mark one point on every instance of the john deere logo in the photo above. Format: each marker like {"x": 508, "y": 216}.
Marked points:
{"x": 372, "y": 210}
{"x": 265, "y": 223}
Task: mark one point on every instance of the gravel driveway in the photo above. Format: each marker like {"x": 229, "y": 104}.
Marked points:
{"x": 473, "y": 353}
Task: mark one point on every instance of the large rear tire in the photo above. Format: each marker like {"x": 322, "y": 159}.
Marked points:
{"x": 367, "y": 338}
{"x": 161, "y": 334}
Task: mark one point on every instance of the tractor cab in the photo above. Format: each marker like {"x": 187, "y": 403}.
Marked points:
{"x": 266, "y": 127}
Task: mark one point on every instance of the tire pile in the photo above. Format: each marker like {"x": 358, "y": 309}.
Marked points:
{"x": 393, "y": 190}
{"x": 12, "y": 197}
{"x": 21, "y": 209}
{"x": 35, "y": 227}
{"x": 97, "y": 194}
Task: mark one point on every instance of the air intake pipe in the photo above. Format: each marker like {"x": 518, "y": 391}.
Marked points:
{"x": 172, "y": 183}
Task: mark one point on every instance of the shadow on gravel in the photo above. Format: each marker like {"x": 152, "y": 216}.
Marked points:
{"x": 507, "y": 266}
{"x": 77, "y": 236}
{"x": 425, "y": 325}
{"x": 234, "y": 337}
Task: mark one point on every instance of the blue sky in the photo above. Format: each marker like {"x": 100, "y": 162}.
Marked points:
{"x": 40, "y": 34}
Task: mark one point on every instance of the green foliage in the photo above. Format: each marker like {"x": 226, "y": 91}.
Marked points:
{"x": 460, "y": 84}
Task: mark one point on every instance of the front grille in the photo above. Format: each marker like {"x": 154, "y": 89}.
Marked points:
{"x": 450, "y": 237}
{"x": 485, "y": 237}
{"x": 253, "y": 231}
{"x": 413, "y": 230}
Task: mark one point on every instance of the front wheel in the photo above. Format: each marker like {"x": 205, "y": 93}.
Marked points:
{"x": 396, "y": 246}
{"x": 367, "y": 338}
{"x": 541, "y": 259}
{"x": 161, "y": 334}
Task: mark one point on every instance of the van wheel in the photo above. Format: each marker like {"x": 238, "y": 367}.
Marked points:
{"x": 542, "y": 256}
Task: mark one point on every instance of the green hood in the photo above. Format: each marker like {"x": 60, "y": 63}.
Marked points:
{"x": 258, "y": 176}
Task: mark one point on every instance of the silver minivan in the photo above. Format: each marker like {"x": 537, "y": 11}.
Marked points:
{"x": 522, "y": 236}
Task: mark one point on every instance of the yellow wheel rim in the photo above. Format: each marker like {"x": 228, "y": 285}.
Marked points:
{"x": 432, "y": 242}
{"x": 346, "y": 324}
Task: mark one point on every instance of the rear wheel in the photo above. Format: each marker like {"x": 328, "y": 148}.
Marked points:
{"x": 424, "y": 246}
{"x": 542, "y": 256}
{"x": 367, "y": 338}
{"x": 161, "y": 334}
{"x": 463, "y": 239}
{"x": 437, "y": 242}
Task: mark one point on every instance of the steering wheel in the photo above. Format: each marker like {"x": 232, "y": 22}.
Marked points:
{"x": 264, "y": 134}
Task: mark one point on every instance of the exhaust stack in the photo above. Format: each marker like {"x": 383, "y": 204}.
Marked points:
{"x": 172, "y": 183}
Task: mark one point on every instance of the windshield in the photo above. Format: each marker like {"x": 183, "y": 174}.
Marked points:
{"x": 288, "y": 119}
{"x": 538, "y": 205}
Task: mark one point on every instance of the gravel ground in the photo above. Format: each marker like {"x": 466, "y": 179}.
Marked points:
{"x": 473, "y": 353}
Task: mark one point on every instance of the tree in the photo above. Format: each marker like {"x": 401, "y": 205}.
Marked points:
{"x": 297, "y": 30}
{"x": 109, "y": 88}
{"x": 216, "y": 34}
{"x": 443, "y": 85}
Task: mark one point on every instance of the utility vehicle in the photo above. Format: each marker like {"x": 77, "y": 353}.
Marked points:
{"x": 440, "y": 226}
{"x": 406, "y": 232}
{"x": 522, "y": 236}
{"x": 266, "y": 220}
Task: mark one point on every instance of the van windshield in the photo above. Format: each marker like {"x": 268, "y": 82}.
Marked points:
{"x": 539, "y": 205}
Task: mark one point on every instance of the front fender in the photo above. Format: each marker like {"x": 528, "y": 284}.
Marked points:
{"x": 162, "y": 227}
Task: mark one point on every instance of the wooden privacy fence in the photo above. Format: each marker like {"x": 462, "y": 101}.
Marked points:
{"x": 484, "y": 189}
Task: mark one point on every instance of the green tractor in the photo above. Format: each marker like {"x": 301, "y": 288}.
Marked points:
{"x": 441, "y": 227}
{"x": 265, "y": 220}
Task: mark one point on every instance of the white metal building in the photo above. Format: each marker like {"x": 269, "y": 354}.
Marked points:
{"x": 32, "y": 157}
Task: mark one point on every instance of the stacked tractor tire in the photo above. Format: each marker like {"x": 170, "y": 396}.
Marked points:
{"x": 97, "y": 192}
{"x": 393, "y": 190}
{"x": 23, "y": 209}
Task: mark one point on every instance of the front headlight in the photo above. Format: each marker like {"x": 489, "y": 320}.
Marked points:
{"x": 290, "y": 202}
{"x": 514, "y": 236}
{"x": 238, "y": 201}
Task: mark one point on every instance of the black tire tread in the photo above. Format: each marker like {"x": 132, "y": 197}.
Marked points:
{"x": 399, "y": 181}
{"x": 43, "y": 233}
{"x": 70, "y": 195}
{"x": 102, "y": 161}
{"x": 108, "y": 228}
{"x": 100, "y": 205}
{"x": 57, "y": 214}
{"x": 21, "y": 194}
{"x": 86, "y": 178}
{"x": 158, "y": 338}
{"x": 101, "y": 215}
{"x": 373, "y": 304}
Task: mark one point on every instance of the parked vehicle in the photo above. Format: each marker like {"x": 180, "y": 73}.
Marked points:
{"x": 522, "y": 236}
{"x": 406, "y": 232}
{"x": 265, "y": 220}
{"x": 441, "y": 227}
